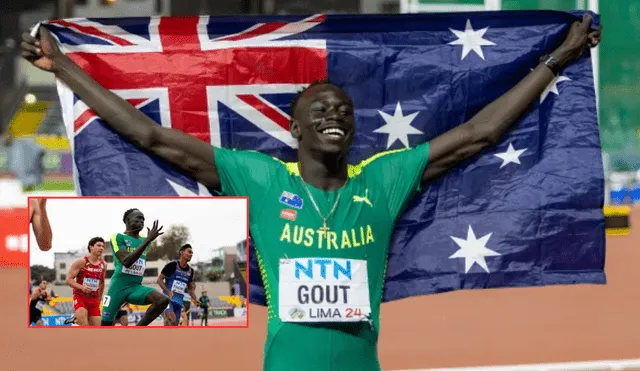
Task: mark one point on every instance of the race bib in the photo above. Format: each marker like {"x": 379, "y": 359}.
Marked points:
{"x": 40, "y": 305}
{"x": 91, "y": 283}
{"x": 323, "y": 290}
{"x": 137, "y": 269}
{"x": 178, "y": 287}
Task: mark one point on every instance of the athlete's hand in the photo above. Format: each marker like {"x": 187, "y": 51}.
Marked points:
{"x": 170, "y": 295}
{"x": 154, "y": 232}
{"x": 85, "y": 289}
{"x": 580, "y": 35}
{"x": 196, "y": 302}
{"x": 42, "y": 52}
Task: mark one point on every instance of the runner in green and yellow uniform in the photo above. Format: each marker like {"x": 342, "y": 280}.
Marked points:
{"x": 129, "y": 257}
{"x": 321, "y": 227}
{"x": 323, "y": 282}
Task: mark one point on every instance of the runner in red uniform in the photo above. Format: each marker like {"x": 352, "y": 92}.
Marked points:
{"x": 86, "y": 277}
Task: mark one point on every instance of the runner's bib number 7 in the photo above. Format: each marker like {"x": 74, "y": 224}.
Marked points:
{"x": 137, "y": 269}
{"x": 323, "y": 290}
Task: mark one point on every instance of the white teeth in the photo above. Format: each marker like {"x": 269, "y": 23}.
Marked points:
{"x": 333, "y": 132}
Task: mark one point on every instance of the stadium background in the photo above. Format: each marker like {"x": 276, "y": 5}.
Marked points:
{"x": 488, "y": 327}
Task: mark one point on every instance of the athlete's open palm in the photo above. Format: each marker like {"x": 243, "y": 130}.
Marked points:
{"x": 154, "y": 232}
{"x": 42, "y": 52}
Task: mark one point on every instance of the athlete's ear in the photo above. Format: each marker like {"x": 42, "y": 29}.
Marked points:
{"x": 294, "y": 128}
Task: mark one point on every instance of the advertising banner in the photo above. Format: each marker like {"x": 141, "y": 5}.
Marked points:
{"x": 14, "y": 229}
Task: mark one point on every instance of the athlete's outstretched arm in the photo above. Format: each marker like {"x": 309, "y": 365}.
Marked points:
{"x": 189, "y": 155}
{"x": 40, "y": 224}
{"x": 488, "y": 125}
{"x": 73, "y": 273}
{"x": 128, "y": 259}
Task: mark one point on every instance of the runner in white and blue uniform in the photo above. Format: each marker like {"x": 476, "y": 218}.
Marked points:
{"x": 175, "y": 280}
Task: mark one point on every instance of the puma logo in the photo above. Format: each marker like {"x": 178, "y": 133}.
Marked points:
{"x": 364, "y": 199}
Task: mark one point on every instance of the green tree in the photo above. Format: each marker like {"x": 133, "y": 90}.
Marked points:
{"x": 215, "y": 275}
{"x": 217, "y": 262}
{"x": 40, "y": 272}
{"x": 169, "y": 243}
{"x": 153, "y": 252}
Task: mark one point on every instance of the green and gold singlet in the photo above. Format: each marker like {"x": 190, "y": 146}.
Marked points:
{"x": 323, "y": 285}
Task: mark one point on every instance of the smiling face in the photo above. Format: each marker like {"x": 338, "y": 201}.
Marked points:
{"x": 323, "y": 120}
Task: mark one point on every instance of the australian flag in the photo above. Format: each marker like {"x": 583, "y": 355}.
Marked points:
{"x": 525, "y": 212}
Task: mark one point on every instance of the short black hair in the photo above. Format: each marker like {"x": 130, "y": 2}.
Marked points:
{"x": 184, "y": 247}
{"x": 296, "y": 98}
{"x": 126, "y": 214}
{"x": 93, "y": 241}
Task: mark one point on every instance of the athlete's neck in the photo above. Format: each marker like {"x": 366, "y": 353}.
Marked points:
{"x": 183, "y": 263}
{"x": 326, "y": 172}
{"x": 134, "y": 234}
{"x": 93, "y": 259}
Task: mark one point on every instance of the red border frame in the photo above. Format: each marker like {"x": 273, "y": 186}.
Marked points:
{"x": 137, "y": 197}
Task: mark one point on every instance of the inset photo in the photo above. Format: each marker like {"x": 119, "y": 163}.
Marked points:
{"x": 138, "y": 261}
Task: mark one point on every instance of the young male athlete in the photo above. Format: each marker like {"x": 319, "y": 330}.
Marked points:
{"x": 321, "y": 227}
{"x": 86, "y": 277}
{"x": 122, "y": 317}
{"x": 39, "y": 298}
{"x": 130, "y": 259}
{"x": 40, "y": 223}
{"x": 175, "y": 280}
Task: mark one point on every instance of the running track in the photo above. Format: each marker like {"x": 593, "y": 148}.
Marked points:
{"x": 213, "y": 322}
{"x": 488, "y": 327}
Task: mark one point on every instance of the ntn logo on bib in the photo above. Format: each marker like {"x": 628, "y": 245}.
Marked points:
{"x": 91, "y": 283}
{"x": 323, "y": 290}
{"x": 179, "y": 287}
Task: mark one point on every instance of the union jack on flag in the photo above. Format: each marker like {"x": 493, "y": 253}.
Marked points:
{"x": 227, "y": 83}
{"x": 525, "y": 212}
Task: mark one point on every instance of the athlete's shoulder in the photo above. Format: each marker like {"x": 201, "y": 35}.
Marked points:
{"x": 387, "y": 158}
{"x": 116, "y": 235}
{"x": 355, "y": 170}
{"x": 80, "y": 262}
{"x": 244, "y": 155}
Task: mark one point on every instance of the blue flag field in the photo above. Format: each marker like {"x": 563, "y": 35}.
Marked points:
{"x": 525, "y": 212}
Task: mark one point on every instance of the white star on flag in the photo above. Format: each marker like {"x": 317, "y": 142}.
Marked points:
{"x": 473, "y": 250}
{"x": 553, "y": 87}
{"x": 398, "y": 126}
{"x": 511, "y": 156}
{"x": 471, "y": 40}
{"x": 186, "y": 192}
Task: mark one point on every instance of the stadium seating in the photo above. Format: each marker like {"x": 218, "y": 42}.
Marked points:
{"x": 64, "y": 305}
{"x": 52, "y": 124}
{"x": 27, "y": 120}
{"x": 236, "y": 301}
